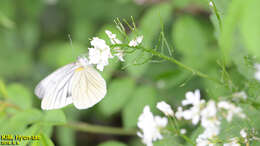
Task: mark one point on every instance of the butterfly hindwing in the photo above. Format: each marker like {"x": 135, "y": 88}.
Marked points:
{"x": 88, "y": 88}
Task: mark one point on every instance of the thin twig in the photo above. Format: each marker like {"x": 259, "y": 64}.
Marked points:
{"x": 99, "y": 129}
{"x": 5, "y": 104}
{"x": 173, "y": 60}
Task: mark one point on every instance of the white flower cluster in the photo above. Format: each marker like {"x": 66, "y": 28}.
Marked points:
{"x": 207, "y": 114}
{"x": 100, "y": 52}
{"x": 231, "y": 110}
{"x": 150, "y": 126}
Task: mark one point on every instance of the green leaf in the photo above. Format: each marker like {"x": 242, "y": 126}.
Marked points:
{"x": 191, "y": 38}
{"x": 144, "y": 95}
{"x": 19, "y": 95}
{"x": 112, "y": 143}
{"x": 20, "y": 121}
{"x": 119, "y": 92}
{"x": 54, "y": 117}
{"x": 250, "y": 26}
{"x": 32, "y": 131}
{"x": 230, "y": 22}
{"x": 5, "y": 21}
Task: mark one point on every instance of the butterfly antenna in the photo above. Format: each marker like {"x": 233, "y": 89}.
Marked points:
{"x": 71, "y": 44}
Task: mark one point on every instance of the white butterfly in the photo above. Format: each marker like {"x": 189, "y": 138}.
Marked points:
{"x": 78, "y": 83}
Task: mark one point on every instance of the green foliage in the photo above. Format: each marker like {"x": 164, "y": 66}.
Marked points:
{"x": 144, "y": 95}
{"x": 220, "y": 41}
{"x": 119, "y": 93}
{"x": 191, "y": 37}
{"x": 250, "y": 27}
{"x": 19, "y": 95}
{"x": 112, "y": 143}
{"x": 54, "y": 117}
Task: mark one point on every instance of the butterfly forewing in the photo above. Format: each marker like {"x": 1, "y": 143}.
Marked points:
{"x": 55, "y": 89}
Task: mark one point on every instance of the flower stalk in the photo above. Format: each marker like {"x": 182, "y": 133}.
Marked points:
{"x": 85, "y": 127}
{"x": 173, "y": 60}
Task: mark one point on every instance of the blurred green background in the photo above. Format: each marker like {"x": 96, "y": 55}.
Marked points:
{"x": 34, "y": 42}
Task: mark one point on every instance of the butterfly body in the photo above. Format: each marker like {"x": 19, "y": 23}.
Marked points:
{"x": 78, "y": 83}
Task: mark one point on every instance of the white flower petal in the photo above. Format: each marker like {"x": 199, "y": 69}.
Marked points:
{"x": 165, "y": 108}
{"x": 135, "y": 42}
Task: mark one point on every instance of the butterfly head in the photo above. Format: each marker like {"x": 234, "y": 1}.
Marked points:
{"x": 82, "y": 61}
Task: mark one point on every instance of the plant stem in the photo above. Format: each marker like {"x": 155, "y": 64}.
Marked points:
{"x": 177, "y": 130}
{"x": 99, "y": 129}
{"x": 3, "y": 89}
{"x": 6, "y": 104}
{"x": 171, "y": 59}
{"x": 216, "y": 13}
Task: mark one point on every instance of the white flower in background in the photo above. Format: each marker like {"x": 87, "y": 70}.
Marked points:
{"x": 192, "y": 98}
{"x": 231, "y": 110}
{"x": 165, "y": 108}
{"x": 135, "y": 42}
{"x": 179, "y": 113}
{"x": 257, "y": 73}
{"x": 114, "y": 40}
{"x": 211, "y": 4}
{"x": 194, "y": 112}
{"x": 232, "y": 142}
{"x": 183, "y": 131}
{"x": 99, "y": 54}
{"x": 241, "y": 95}
{"x": 150, "y": 126}
{"x": 244, "y": 135}
{"x": 209, "y": 120}
{"x": 210, "y": 110}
